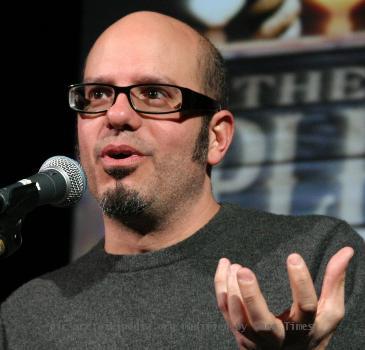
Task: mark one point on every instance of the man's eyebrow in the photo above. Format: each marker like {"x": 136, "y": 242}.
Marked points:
{"x": 153, "y": 79}
{"x": 101, "y": 80}
{"x": 142, "y": 79}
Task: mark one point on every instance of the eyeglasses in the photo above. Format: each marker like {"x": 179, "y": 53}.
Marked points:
{"x": 93, "y": 98}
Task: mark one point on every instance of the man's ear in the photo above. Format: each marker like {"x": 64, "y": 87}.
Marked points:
{"x": 221, "y": 129}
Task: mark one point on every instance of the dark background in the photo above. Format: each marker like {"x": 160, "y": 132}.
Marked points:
{"x": 40, "y": 57}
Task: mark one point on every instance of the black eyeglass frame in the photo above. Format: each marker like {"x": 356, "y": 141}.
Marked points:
{"x": 192, "y": 101}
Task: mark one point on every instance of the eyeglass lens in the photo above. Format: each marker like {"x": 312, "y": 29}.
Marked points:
{"x": 145, "y": 98}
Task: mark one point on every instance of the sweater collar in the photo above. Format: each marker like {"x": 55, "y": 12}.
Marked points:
{"x": 166, "y": 256}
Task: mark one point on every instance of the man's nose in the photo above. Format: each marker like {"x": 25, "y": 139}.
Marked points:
{"x": 122, "y": 116}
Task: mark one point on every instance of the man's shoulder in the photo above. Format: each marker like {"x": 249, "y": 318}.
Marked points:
{"x": 261, "y": 217}
{"x": 260, "y": 222}
{"x": 52, "y": 285}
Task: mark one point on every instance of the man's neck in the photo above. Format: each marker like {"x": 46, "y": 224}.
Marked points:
{"x": 184, "y": 222}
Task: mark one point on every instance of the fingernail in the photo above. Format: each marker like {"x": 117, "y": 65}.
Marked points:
{"x": 245, "y": 275}
{"x": 223, "y": 261}
{"x": 234, "y": 268}
{"x": 295, "y": 259}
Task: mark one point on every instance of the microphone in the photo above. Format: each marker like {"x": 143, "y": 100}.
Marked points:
{"x": 60, "y": 181}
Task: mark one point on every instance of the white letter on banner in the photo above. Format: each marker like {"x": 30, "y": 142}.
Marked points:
{"x": 347, "y": 83}
{"x": 250, "y": 88}
{"x": 291, "y": 91}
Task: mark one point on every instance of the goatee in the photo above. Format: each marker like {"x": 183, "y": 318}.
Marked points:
{"x": 120, "y": 203}
{"x": 128, "y": 207}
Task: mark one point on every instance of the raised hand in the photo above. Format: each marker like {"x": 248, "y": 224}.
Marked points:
{"x": 309, "y": 324}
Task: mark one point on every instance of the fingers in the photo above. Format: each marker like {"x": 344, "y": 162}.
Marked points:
{"x": 334, "y": 278}
{"x": 229, "y": 301}
{"x": 304, "y": 305}
{"x": 220, "y": 283}
{"x": 246, "y": 312}
{"x": 255, "y": 304}
{"x": 322, "y": 317}
{"x": 238, "y": 319}
{"x": 261, "y": 321}
{"x": 244, "y": 308}
{"x": 331, "y": 306}
{"x": 235, "y": 307}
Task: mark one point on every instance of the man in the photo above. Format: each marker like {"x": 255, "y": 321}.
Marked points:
{"x": 149, "y": 130}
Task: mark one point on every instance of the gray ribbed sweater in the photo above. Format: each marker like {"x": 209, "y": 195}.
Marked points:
{"x": 166, "y": 299}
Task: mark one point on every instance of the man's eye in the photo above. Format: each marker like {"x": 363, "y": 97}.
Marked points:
{"x": 98, "y": 94}
{"x": 153, "y": 93}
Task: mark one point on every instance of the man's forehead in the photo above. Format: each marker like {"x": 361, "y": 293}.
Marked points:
{"x": 146, "y": 50}
{"x": 138, "y": 78}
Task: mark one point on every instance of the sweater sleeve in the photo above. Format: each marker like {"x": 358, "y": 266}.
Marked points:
{"x": 350, "y": 334}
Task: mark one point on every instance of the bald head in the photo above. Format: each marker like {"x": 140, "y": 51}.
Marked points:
{"x": 156, "y": 45}
{"x": 147, "y": 20}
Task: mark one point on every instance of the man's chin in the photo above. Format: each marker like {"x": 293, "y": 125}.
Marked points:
{"x": 127, "y": 206}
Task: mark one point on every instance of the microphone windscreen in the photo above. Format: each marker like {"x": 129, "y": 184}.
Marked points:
{"x": 72, "y": 173}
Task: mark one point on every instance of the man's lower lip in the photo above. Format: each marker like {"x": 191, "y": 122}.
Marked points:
{"x": 113, "y": 162}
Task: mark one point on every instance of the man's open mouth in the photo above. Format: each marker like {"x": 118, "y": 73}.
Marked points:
{"x": 119, "y": 152}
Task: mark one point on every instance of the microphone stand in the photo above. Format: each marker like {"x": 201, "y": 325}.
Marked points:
{"x": 13, "y": 210}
